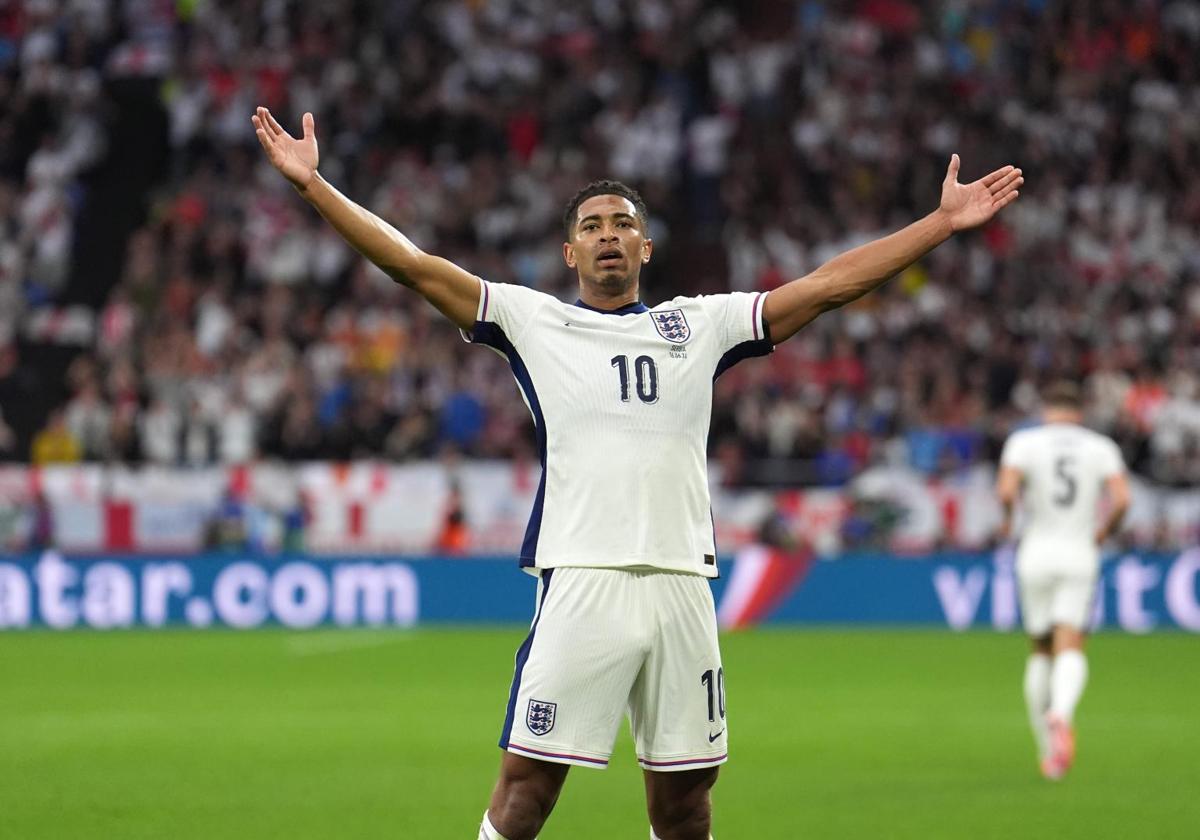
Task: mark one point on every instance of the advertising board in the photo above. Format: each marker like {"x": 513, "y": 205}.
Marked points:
{"x": 1138, "y": 592}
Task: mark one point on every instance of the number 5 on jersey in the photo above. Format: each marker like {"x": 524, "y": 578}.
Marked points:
{"x": 646, "y": 373}
{"x": 1066, "y": 486}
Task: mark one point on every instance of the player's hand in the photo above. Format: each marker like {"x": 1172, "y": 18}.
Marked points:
{"x": 296, "y": 159}
{"x": 970, "y": 205}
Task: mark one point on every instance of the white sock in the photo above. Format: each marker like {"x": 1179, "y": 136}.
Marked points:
{"x": 1037, "y": 698}
{"x": 487, "y": 831}
{"x": 1067, "y": 680}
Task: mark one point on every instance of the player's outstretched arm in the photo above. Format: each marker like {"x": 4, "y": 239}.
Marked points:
{"x": 851, "y": 275}
{"x": 452, "y": 290}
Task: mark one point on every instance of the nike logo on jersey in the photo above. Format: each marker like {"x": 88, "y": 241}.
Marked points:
{"x": 712, "y": 738}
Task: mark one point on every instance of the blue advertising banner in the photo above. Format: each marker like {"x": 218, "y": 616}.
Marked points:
{"x": 1138, "y": 592}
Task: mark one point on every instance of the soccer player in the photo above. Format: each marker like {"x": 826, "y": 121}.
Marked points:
{"x": 1059, "y": 471}
{"x": 621, "y": 535}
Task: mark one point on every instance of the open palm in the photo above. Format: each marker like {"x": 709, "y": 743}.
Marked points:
{"x": 970, "y": 205}
{"x": 296, "y": 159}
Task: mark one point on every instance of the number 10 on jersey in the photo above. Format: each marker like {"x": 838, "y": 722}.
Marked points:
{"x": 646, "y": 374}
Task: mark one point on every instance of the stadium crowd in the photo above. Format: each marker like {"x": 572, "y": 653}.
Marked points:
{"x": 765, "y": 136}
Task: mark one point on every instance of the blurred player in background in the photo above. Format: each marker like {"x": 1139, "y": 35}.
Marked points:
{"x": 1059, "y": 472}
{"x": 621, "y": 533}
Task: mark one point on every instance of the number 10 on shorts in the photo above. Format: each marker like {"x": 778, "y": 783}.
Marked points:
{"x": 716, "y": 692}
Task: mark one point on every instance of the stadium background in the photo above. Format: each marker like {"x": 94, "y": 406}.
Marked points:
{"x": 197, "y": 376}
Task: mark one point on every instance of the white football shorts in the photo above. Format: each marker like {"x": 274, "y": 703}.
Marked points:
{"x": 609, "y": 642}
{"x": 1055, "y": 597}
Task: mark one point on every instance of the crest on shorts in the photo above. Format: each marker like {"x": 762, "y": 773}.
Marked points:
{"x": 540, "y": 717}
{"x": 671, "y": 325}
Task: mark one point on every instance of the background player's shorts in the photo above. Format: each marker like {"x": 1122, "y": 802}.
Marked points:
{"x": 606, "y": 642}
{"x": 1054, "y": 597}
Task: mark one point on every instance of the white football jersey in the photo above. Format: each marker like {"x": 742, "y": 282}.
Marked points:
{"x": 1064, "y": 467}
{"x": 621, "y": 402}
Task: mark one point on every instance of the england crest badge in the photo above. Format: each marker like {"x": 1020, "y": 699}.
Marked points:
{"x": 672, "y": 325}
{"x": 540, "y": 717}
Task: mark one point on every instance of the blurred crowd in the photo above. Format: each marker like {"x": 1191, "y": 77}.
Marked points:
{"x": 765, "y": 136}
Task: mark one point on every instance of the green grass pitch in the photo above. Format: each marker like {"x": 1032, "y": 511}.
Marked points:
{"x": 367, "y": 734}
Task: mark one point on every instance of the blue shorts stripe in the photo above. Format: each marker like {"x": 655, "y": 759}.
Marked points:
{"x": 519, "y": 666}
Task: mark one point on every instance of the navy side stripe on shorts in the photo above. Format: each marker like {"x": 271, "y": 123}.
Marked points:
{"x": 522, "y": 658}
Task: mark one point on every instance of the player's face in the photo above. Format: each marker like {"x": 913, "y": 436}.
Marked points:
{"x": 609, "y": 246}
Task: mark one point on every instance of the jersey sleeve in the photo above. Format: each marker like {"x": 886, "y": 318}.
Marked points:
{"x": 505, "y": 311}
{"x": 1016, "y": 453}
{"x": 1111, "y": 462}
{"x": 740, "y": 327}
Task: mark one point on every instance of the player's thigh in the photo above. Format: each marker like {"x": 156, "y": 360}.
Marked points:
{"x": 583, "y": 655}
{"x": 1036, "y": 588}
{"x": 1073, "y": 603}
{"x": 677, "y": 706}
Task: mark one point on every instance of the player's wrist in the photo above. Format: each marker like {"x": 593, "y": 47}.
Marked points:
{"x": 944, "y": 220}
{"x": 305, "y": 186}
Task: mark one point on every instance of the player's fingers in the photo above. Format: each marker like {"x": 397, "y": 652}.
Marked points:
{"x": 261, "y": 134}
{"x": 278, "y": 129}
{"x": 952, "y": 169}
{"x": 309, "y": 125}
{"x": 1010, "y": 185}
{"x": 261, "y": 130}
{"x": 1006, "y": 183}
{"x": 260, "y": 114}
{"x": 993, "y": 177}
{"x": 1006, "y": 200}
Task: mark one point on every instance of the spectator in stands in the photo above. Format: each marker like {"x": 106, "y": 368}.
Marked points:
{"x": 768, "y": 136}
{"x": 55, "y": 444}
{"x": 8, "y": 440}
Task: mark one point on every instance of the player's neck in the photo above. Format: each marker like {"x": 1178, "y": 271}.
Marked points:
{"x": 597, "y": 299}
{"x": 1053, "y": 415}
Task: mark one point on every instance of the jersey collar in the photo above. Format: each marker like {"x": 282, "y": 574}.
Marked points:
{"x": 628, "y": 309}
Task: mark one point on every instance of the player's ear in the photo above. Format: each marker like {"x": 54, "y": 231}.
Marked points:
{"x": 569, "y": 254}
{"x": 647, "y": 250}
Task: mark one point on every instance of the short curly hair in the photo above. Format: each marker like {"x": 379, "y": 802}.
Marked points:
{"x": 602, "y": 187}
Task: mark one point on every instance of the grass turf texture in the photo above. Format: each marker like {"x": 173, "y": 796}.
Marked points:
{"x": 357, "y": 734}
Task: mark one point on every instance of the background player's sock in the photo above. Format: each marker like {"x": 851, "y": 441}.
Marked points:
{"x": 1037, "y": 698}
{"x": 487, "y": 831}
{"x": 1067, "y": 680}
